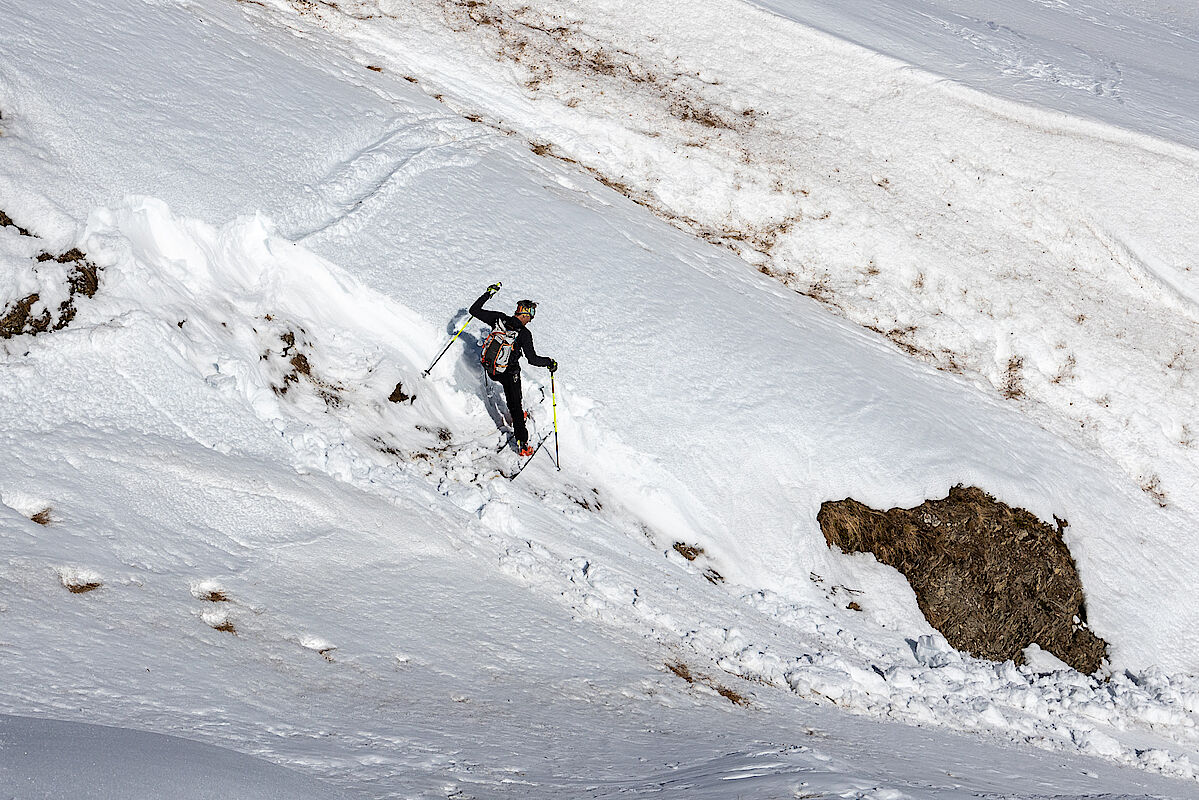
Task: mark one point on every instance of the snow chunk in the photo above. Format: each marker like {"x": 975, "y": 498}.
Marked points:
{"x": 1043, "y": 662}
{"x": 78, "y": 581}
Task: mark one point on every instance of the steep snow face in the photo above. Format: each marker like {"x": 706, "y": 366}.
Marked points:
{"x": 279, "y": 559}
{"x": 978, "y": 237}
{"x": 282, "y": 560}
{"x": 1047, "y": 259}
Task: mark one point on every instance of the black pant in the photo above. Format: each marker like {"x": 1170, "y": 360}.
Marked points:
{"x": 516, "y": 406}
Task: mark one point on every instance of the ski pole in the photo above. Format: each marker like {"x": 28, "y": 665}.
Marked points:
{"x": 425, "y": 374}
{"x": 554, "y": 397}
{"x": 491, "y": 290}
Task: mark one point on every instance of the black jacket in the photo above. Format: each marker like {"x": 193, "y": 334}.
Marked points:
{"x": 524, "y": 339}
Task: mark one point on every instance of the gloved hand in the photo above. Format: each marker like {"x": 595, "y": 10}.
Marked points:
{"x": 553, "y": 366}
{"x": 493, "y": 288}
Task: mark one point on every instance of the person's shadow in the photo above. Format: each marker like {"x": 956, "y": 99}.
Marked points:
{"x": 469, "y": 370}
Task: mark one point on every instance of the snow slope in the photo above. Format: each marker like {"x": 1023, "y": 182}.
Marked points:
{"x": 1127, "y": 64}
{"x": 112, "y": 762}
{"x": 1045, "y": 258}
{"x": 1094, "y": 345}
{"x": 309, "y": 577}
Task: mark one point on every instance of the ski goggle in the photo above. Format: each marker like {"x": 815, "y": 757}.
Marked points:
{"x": 526, "y": 307}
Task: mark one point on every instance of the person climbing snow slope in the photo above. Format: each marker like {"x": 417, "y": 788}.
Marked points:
{"x": 508, "y": 341}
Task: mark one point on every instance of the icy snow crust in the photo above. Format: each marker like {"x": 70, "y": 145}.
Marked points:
{"x": 295, "y": 568}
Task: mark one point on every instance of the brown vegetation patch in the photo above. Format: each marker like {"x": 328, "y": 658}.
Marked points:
{"x": 213, "y": 596}
{"x": 18, "y": 319}
{"x": 991, "y": 578}
{"x": 694, "y": 551}
{"x": 1152, "y": 486}
{"x": 442, "y": 434}
{"x": 683, "y": 671}
{"x": 1013, "y": 379}
{"x": 302, "y": 368}
{"x": 587, "y": 500}
{"x": 79, "y": 583}
{"x": 225, "y": 626}
{"x": 42, "y": 517}
{"x": 550, "y": 50}
{"x": 6, "y": 220}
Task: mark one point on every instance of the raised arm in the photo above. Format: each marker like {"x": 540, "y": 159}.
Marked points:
{"x": 483, "y": 315}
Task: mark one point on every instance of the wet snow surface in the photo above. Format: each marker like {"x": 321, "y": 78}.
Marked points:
{"x": 776, "y": 268}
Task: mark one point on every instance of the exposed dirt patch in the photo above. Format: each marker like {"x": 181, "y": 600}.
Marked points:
{"x": 443, "y": 434}
{"x": 79, "y": 581}
{"x": 991, "y": 578}
{"x": 1152, "y": 486}
{"x": 18, "y": 318}
{"x": 694, "y": 551}
{"x": 399, "y": 396}
{"x": 42, "y": 517}
{"x": 6, "y": 221}
{"x": 587, "y": 500}
{"x": 1012, "y": 387}
{"x": 301, "y": 368}
{"x": 681, "y": 670}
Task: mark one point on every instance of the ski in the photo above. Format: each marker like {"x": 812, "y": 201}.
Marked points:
{"x": 536, "y": 450}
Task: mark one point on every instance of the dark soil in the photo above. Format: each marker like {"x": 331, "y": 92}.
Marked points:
{"x": 17, "y": 318}
{"x": 681, "y": 670}
{"x": 6, "y": 220}
{"x": 82, "y": 588}
{"x": 399, "y": 396}
{"x": 301, "y": 367}
{"x": 991, "y": 578}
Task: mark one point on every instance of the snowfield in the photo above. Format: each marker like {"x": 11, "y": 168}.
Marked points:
{"x": 776, "y": 268}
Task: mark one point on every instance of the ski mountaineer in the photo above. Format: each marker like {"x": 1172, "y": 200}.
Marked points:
{"x": 504, "y": 366}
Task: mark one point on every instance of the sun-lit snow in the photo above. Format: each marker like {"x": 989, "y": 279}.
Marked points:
{"x": 241, "y": 541}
